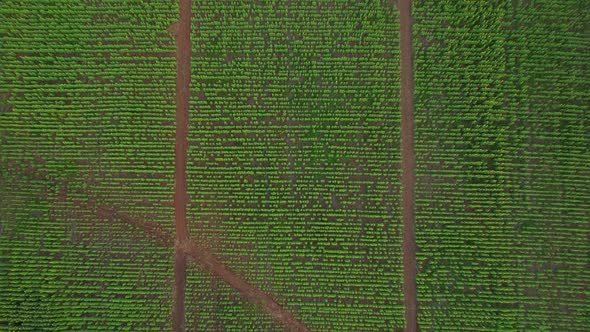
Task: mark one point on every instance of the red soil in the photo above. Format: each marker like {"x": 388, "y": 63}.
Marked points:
{"x": 407, "y": 152}
{"x": 182, "y": 32}
{"x": 183, "y": 64}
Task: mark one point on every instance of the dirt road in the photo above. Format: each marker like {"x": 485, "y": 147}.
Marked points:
{"x": 182, "y": 33}
{"x": 407, "y": 152}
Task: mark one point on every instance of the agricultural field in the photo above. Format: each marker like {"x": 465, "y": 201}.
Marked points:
{"x": 295, "y": 165}
{"x": 502, "y": 175}
{"x": 294, "y": 159}
{"x": 87, "y": 120}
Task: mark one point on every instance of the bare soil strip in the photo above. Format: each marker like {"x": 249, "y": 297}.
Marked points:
{"x": 183, "y": 77}
{"x": 179, "y": 318}
{"x": 183, "y": 64}
{"x": 407, "y": 153}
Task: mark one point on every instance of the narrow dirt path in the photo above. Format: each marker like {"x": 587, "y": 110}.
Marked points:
{"x": 182, "y": 32}
{"x": 407, "y": 153}
{"x": 183, "y": 78}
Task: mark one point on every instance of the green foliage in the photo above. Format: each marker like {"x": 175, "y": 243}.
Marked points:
{"x": 293, "y": 147}
{"x": 91, "y": 92}
{"x": 295, "y": 142}
{"x": 502, "y": 165}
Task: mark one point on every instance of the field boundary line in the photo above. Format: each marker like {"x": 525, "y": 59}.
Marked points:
{"x": 181, "y": 31}
{"x": 408, "y": 165}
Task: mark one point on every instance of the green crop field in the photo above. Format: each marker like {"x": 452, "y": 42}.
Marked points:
{"x": 293, "y": 160}
{"x": 88, "y": 107}
{"x": 503, "y": 182}
{"x": 294, "y": 164}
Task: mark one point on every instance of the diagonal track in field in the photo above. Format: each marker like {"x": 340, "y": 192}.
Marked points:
{"x": 161, "y": 236}
{"x": 210, "y": 262}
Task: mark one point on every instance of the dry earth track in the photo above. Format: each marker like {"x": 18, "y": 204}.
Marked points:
{"x": 407, "y": 153}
